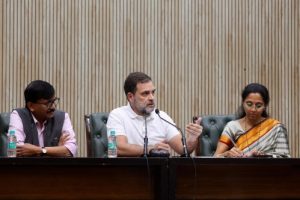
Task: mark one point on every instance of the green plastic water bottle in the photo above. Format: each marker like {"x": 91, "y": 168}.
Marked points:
{"x": 12, "y": 144}
{"x": 112, "y": 144}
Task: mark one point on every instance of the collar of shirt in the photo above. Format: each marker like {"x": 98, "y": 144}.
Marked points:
{"x": 133, "y": 115}
{"x": 37, "y": 123}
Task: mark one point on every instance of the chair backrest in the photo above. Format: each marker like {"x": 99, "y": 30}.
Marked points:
{"x": 96, "y": 138}
{"x": 4, "y": 125}
{"x": 213, "y": 126}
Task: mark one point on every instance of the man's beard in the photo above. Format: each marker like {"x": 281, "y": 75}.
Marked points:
{"x": 147, "y": 111}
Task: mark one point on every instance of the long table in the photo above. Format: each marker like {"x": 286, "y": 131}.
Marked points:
{"x": 152, "y": 178}
{"x": 233, "y": 178}
{"x": 83, "y": 178}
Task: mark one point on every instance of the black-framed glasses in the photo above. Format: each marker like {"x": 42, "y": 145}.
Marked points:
{"x": 51, "y": 102}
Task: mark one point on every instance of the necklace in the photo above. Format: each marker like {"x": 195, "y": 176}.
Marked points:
{"x": 248, "y": 126}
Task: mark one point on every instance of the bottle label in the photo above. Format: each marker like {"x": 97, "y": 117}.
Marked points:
{"x": 12, "y": 145}
{"x": 112, "y": 145}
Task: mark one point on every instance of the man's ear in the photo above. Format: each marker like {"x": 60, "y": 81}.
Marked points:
{"x": 30, "y": 106}
{"x": 129, "y": 96}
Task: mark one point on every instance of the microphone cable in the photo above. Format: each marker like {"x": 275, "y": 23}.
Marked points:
{"x": 195, "y": 177}
{"x": 146, "y": 156}
{"x": 149, "y": 174}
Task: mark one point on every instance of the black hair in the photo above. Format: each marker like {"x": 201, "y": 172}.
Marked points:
{"x": 38, "y": 89}
{"x": 254, "y": 88}
{"x": 133, "y": 79}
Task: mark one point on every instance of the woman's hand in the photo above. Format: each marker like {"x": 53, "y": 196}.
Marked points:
{"x": 234, "y": 152}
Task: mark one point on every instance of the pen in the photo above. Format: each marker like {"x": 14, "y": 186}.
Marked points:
{"x": 235, "y": 145}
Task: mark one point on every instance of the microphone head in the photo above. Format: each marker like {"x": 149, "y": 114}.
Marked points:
{"x": 195, "y": 118}
{"x": 156, "y": 111}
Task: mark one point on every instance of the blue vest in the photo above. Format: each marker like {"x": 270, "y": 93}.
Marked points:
{"x": 53, "y": 128}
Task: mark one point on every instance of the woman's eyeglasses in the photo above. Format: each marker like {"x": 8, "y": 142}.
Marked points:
{"x": 257, "y": 106}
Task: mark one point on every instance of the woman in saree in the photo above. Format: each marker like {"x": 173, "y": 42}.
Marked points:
{"x": 254, "y": 133}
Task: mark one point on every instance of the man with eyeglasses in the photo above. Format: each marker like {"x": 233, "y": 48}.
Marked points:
{"x": 41, "y": 130}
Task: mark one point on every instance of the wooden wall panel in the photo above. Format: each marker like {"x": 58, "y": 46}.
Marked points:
{"x": 199, "y": 53}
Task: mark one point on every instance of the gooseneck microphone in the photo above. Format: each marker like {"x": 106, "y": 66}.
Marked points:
{"x": 183, "y": 139}
{"x": 145, "y": 138}
{"x": 146, "y": 134}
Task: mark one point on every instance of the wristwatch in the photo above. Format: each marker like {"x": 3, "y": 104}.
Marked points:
{"x": 44, "y": 151}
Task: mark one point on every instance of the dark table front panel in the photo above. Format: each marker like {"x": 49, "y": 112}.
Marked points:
{"x": 82, "y": 178}
{"x": 223, "y": 178}
{"x": 130, "y": 178}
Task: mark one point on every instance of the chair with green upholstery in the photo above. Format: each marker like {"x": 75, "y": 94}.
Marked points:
{"x": 96, "y": 138}
{"x": 4, "y": 125}
{"x": 213, "y": 126}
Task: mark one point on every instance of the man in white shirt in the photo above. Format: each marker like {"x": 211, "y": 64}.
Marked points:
{"x": 130, "y": 125}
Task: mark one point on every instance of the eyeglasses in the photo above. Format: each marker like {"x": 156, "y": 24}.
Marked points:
{"x": 49, "y": 103}
{"x": 257, "y": 106}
